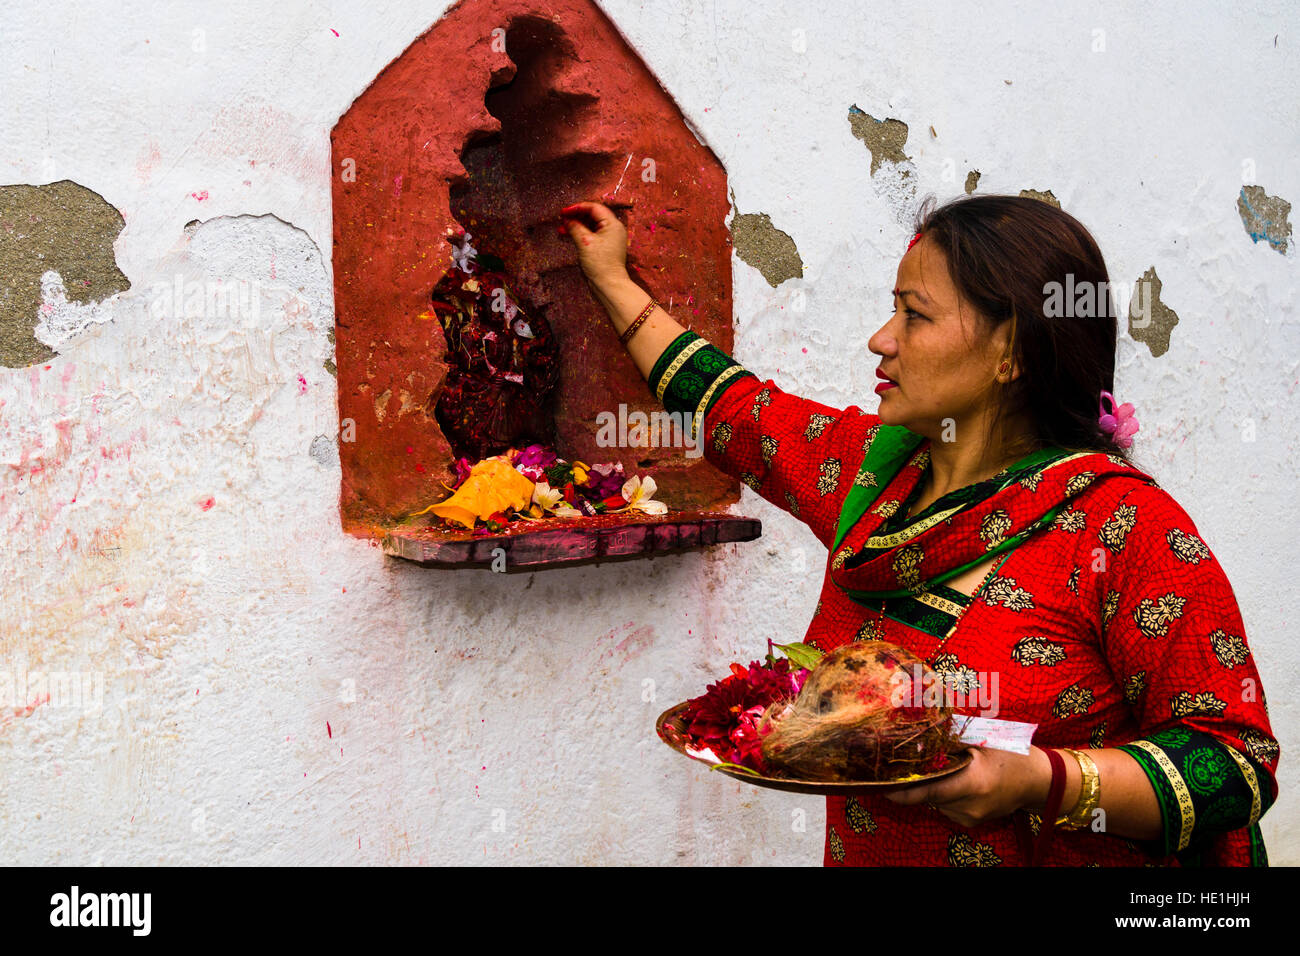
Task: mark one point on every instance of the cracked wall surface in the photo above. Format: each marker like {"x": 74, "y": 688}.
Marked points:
{"x": 1042, "y": 196}
{"x": 885, "y": 138}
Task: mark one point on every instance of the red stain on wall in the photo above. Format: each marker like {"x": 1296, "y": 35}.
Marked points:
{"x": 500, "y": 115}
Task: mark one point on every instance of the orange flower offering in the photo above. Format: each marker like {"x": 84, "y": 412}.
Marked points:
{"x": 533, "y": 483}
{"x": 493, "y": 485}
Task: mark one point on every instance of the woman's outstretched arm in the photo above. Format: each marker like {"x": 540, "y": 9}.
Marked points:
{"x": 601, "y": 241}
{"x": 796, "y": 453}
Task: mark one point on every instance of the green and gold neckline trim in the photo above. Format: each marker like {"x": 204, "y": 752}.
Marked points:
{"x": 892, "y": 448}
{"x": 932, "y": 611}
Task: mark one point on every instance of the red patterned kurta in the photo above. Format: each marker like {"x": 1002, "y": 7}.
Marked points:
{"x": 1113, "y": 622}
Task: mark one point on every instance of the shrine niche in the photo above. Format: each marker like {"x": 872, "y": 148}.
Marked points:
{"x": 463, "y": 150}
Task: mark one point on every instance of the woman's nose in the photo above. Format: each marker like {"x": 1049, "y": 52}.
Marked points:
{"x": 881, "y": 342}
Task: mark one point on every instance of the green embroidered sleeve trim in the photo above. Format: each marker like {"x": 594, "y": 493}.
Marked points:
{"x": 697, "y": 377}
{"x": 1203, "y": 787}
{"x": 690, "y": 376}
{"x": 1169, "y": 806}
{"x": 714, "y": 391}
{"x": 655, "y": 379}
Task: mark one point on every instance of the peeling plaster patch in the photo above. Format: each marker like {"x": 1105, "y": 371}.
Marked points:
{"x": 62, "y": 321}
{"x": 885, "y": 138}
{"x": 409, "y": 403}
{"x": 1155, "y": 326}
{"x": 62, "y": 227}
{"x": 324, "y": 452}
{"x": 381, "y": 404}
{"x": 1264, "y": 216}
{"x": 266, "y": 259}
{"x": 766, "y": 248}
{"x": 275, "y": 253}
{"x": 891, "y": 168}
{"x": 1046, "y": 197}
{"x": 972, "y": 180}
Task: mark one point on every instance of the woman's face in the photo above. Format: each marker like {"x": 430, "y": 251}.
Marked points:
{"x": 935, "y": 351}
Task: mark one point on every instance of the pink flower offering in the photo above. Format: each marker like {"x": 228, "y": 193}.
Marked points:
{"x": 725, "y": 719}
{"x": 1122, "y": 424}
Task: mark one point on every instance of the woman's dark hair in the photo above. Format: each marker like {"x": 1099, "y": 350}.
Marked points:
{"x": 1004, "y": 253}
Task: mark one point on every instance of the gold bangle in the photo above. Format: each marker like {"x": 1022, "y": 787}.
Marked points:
{"x": 645, "y": 314}
{"x": 1080, "y": 815}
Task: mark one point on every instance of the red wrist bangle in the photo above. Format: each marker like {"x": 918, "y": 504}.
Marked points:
{"x": 1032, "y": 851}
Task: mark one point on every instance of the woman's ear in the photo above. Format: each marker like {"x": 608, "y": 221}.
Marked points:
{"x": 1004, "y": 337}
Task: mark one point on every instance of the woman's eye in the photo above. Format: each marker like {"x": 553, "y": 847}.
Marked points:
{"x": 913, "y": 315}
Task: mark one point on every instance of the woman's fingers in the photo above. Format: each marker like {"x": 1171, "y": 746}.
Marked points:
{"x": 576, "y": 213}
{"x": 600, "y": 238}
{"x": 574, "y": 227}
{"x": 592, "y": 215}
{"x": 585, "y": 207}
{"x": 946, "y": 789}
{"x": 576, "y": 221}
{"x": 908, "y": 796}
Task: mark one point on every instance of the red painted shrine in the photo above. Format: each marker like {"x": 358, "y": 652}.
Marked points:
{"x": 488, "y": 124}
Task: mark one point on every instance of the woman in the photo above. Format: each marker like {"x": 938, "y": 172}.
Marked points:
{"x": 988, "y": 520}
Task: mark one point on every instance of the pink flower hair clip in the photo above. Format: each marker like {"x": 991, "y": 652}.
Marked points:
{"x": 1121, "y": 424}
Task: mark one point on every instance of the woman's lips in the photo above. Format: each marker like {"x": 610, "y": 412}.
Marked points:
{"x": 885, "y": 386}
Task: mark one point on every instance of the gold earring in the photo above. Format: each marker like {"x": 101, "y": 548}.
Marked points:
{"x": 1004, "y": 368}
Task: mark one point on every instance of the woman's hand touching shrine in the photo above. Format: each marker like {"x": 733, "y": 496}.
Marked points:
{"x": 601, "y": 241}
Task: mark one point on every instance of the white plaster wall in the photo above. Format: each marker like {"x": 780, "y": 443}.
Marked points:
{"x": 167, "y": 528}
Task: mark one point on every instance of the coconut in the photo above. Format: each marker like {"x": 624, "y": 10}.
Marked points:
{"x": 863, "y": 714}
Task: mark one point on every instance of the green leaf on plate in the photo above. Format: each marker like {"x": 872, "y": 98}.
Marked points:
{"x": 735, "y": 766}
{"x": 801, "y": 655}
